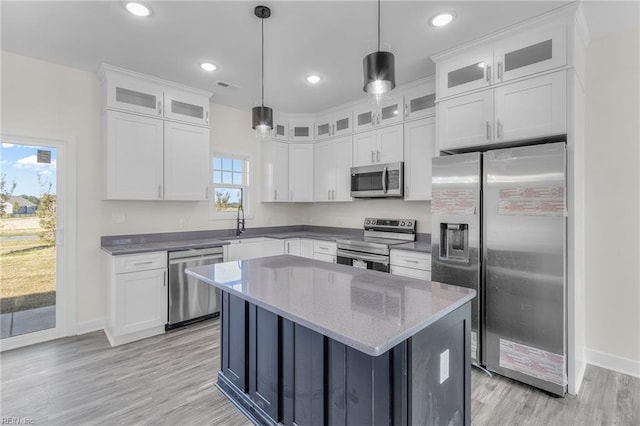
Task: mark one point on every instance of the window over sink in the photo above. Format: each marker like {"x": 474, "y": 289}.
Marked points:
{"x": 230, "y": 185}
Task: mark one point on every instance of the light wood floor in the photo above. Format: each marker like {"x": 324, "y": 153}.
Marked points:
{"x": 169, "y": 379}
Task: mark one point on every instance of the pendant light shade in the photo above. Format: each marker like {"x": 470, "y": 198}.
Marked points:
{"x": 379, "y": 70}
{"x": 262, "y": 116}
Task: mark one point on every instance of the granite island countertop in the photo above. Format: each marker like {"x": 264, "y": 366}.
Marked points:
{"x": 367, "y": 310}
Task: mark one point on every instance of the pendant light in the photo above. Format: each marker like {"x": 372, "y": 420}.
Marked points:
{"x": 262, "y": 116}
{"x": 379, "y": 70}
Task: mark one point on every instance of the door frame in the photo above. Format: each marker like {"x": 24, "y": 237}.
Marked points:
{"x": 66, "y": 237}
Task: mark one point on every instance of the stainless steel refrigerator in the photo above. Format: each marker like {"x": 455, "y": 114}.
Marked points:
{"x": 499, "y": 227}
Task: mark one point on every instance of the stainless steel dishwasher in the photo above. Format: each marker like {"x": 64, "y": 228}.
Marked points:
{"x": 191, "y": 300}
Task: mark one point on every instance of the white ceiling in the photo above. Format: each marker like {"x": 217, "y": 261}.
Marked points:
{"x": 328, "y": 38}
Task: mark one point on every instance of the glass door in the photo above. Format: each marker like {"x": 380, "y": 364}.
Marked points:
{"x": 28, "y": 225}
{"x": 37, "y": 239}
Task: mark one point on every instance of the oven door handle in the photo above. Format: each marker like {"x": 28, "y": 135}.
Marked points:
{"x": 364, "y": 257}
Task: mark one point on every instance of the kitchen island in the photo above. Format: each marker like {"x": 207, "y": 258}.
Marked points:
{"x": 306, "y": 342}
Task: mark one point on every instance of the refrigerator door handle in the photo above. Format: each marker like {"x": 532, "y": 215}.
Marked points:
{"x": 384, "y": 180}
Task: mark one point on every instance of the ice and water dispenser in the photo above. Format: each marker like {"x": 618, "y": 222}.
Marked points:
{"x": 454, "y": 242}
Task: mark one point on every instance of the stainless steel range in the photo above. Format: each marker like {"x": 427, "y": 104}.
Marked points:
{"x": 372, "y": 251}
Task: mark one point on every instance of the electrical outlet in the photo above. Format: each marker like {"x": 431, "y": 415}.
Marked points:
{"x": 118, "y": 217}
{"x": 444, "y": 366}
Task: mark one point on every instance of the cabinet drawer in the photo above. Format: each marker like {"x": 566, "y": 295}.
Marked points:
{"x": 411, "y": 273}
{"x": 140, "y": 262}
{"x": 324, "y": 247}
{"x": 410, "y": 259}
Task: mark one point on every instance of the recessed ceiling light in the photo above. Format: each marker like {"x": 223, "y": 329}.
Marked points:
{"x": 442, "y": 19}
{"x": 208, "y": 67}
{"x": 137, "y": 9}
{"x": 313, "y": 79}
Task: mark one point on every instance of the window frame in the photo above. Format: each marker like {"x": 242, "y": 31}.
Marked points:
{"x": 247, "y": 199}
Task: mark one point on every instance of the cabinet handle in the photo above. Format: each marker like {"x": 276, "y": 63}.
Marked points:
{"x": 372, "y": 157}
{"x": 164, "y": 279}
{"x": 207, "y": 117}
{"x": 333, "y": 129}
{"x": 288, "y": 247}
{"x": 499, "y": 130}
{"x": 206, "y": 192}
{"x": 160, "y": 191}
{"x": 411, "y": 261}
{"x": 378, "y": 156}
{"x": 328, "y": 194}
{"x": 142, "y": 263}
{"x": 159, "y": 107}
{"x": 500, "y": 71}
{"x": 406, "y": 110}
{"x": 333, "y": 194}
{"x": 488, "y": 70}
{"x": 488, "y": 131}
{"x": 275, "y": 194}
{"x": 374, "y": 117}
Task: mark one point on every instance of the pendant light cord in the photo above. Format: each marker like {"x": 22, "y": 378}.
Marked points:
{"x": 378, "y": 25}
{"x": 262, "y": 19}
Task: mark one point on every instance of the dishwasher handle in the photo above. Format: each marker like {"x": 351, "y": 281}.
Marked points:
{"x": 216, "y": 257}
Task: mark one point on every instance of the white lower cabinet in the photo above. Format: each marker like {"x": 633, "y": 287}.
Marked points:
{"x": 250, "y": 248}
{"x": 411, "y": 264}
{"x": 306, "y": 248}
{"x": 325, "y": 251}
{"x": 419, "y": 149}
{"x": 137, "y": 296}
{"x": 292, "y": 246}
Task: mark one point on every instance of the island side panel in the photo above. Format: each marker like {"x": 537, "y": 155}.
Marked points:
{"x": 303, "y": 375}
{"x": 264, "y": 369}
{"x": 235, "y": 340}
{"x": 441, "y": 393}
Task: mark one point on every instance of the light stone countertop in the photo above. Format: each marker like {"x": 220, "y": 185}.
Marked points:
{"x": 367, "y": 310}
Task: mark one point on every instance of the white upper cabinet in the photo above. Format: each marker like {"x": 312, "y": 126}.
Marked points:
{"x": 301, "y": 131}
{"x": 419, "y": 102}
{"x": 275, "y": 171}
{"x": 419, "y": 149}
{"x": 186, "y": 162}
{"x": 530, "y": 52}
{"x": 465, "y": 121}
{"x": 301, "y": 172}
{"x": 187, "y": 107}
{"x": 384, "y": 145}
{"x": 392, "y": 111}
{"x": 531, "y": 108}
{"x": 527, "y": 109}
{"x": 134, "y": 94}
{"x": 332, "y": 166}
{"x": 280, "y": 127}
{"x": 134, "y": 157}
{"x": 336, "y": 124}
{"x": 465, "y": 72}
{"x": 522, "y": 54}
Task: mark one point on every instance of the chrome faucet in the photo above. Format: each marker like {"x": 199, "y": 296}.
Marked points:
{"x": 240, "y": 222}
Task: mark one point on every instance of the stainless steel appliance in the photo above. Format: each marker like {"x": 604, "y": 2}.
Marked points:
{"x": 378, "y": 180}
{"x": 372, "y": 251}
{"x": 191, "y": 300}
{"x": 499, "y": 227}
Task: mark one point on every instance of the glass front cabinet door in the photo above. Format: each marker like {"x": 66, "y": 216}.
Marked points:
{"x": 465, "y": 72}
{"x": 531, "y": 52}
{"x": 134, "y": 95}
{"x": 186, "y": 107}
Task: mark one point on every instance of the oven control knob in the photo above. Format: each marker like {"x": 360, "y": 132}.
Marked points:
{"x": 409, "y": 223}
{"x": 373, "y": 221}
{"x": 402, "y": 223}
{"x": 367, "y": 222}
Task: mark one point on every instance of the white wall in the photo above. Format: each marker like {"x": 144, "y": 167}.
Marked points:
{"x": 613, "y": 201}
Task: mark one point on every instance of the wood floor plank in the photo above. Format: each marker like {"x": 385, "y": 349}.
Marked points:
{"x": 170, "y": 379}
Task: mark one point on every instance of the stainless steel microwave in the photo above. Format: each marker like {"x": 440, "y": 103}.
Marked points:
{"x": 378, "y": 180}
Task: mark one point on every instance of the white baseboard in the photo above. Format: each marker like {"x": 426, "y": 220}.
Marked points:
{"x": 613, "y": 362}
{"x": 90, "y": 326}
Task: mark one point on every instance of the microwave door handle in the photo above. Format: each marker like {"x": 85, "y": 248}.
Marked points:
{"x": 384, "y": 180}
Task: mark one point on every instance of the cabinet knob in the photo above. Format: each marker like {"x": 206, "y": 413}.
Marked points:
{"x": 487, "y": 69}
{"x": 372, "y": 157}
{"x": 499, "y": 130}
{"x": 159, "y": 107}
{"x": 378, "y": 156}
{"x": 500, "y": 71}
